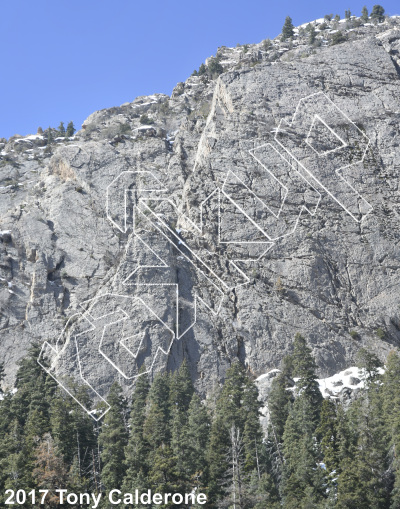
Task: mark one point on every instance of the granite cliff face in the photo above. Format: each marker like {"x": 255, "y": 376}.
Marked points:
{"x": 213, "y": 224}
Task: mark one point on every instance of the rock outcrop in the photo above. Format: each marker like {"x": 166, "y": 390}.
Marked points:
{"x": 267, "y": 197}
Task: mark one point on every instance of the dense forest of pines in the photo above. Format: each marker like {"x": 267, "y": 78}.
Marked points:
{"x": 318, "y": 453}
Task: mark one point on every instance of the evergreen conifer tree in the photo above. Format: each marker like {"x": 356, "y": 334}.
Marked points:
{"x": 70, "y": 129}
{"x": 198, "y": 434}
{"x": 378, "y": 13}
{"x": 230, "y": 400}
{"x": 217, "y": 458}
{"x": 157, "y": 426}
{"x": 113, "y": 440}
{"x": 327, "y": 433}
{"x": 279, "y": 402}
{"x": 312, "y": 34}
{"x": 137, "y": 449}
{"x": 164, "y": 475}
{"x": 303, "y": 477}
{"x": 61, "y": 129}
{"x": 287, "y": 30}
{"x": 62, "y": 428}
{"x": 364, "y": 14}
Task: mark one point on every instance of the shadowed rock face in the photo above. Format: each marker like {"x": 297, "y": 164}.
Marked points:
{"x": 256, "y": 205}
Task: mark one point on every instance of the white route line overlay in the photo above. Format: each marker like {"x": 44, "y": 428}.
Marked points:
{"x": 338, "y": 170}
{"x": 158, "y": 188}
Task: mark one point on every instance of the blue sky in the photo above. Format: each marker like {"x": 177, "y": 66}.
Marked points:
{"x": 64, "y": 60}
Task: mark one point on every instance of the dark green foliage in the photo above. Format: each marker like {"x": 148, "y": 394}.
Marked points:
{"x": 145, "y": 120}
{"x": 202, "y": 70}
{"x": 279, "y": 403}
{"x": 138, "y": 447}
{"x": 214, "y": 67}
{"x": 347, "y": 14}
{"x": 125, "y": 128}
{"x": 113, "y": 439}
{"x": 303, "y": 478}
{"x": 197, "y": 437}
{"x": 70, "y": 129}
{"x": 49, "y": 135}
{"x": 369, "y": 362}
{"x": 364, "y": 14}
{"x": 378, "y": 13}
{"x": 380, "y": 333}
{"x": 61, "y": 129}
{"x": 338, "y": 38}
{"x": 319, "y": 454}
{"x": 287, "y": 29}
{"x": 328, "y": 435}
{"x": 156, "y": 428}
{"x": 312, "y": 34}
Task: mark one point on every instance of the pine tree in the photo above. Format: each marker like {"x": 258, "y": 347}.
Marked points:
{"x": 13, "y": 465}
{"x": 327, "y": 433}
{"x": 49, "y": 135}
{"x": 229, "y": 402}
{"x": 217, "y": 458}
{"x": 351, "y": 492}
{"x": 113, "y": 440}
{"x": 378, "y": 13}
{"x": 391, "y": 413}
{"x": 301, "y": 471}
{"x": 347, "y": 14}
{"x": 287, "y": 30}
{"x": 163, "y": 474}
{"x": 181, "y": 392}
{"x": 254, "y": 454}
{"x": 364, "y": 14}
{"x": 62, "y": 429}
{"x": 265, "y": 493}
{"x": 367, "y": 466}
{"x": 156, "y": 428}
{"x": 198, "y": 435}
{"x": 137, "y": 449}
{"x": 181, "y": 388}
{"x": 370, "y": 363}
{"x": 312, "y": 34}
{"x": 304, "y": 367}
{"x": 61, "y": 129}
{"x": 237, "y": 405}
{"x": 85, "y": 434}
{"x": 214, "y": 67}
{"x": 76, "y": 482}
{"x": 70, "y": 129}
{"x": 279, "y": 402}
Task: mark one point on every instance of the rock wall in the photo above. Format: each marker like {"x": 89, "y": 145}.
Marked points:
{"x": 267, "y": 197}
